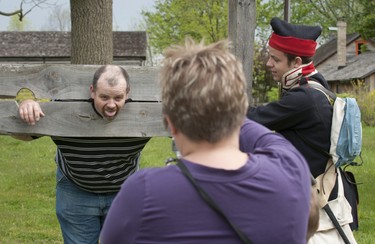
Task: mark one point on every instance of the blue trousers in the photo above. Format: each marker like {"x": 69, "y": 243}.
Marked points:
{"x": 80, "y": 213}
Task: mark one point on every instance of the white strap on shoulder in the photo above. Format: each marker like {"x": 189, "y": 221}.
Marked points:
{"x": 317, "y": 88}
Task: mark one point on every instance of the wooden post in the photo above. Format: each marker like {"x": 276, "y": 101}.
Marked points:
{"x": 287, "y": 10}
{"x": 241, "y": 30}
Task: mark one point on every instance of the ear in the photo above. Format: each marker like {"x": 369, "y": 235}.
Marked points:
{"x": 297, "y": 62}
{"x": 92, "y": 91}
{"x": 171, "y": 127}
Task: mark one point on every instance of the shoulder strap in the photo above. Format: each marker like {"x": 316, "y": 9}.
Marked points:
{"x": 211, "y": 202}
{"x": 331, "y": 97}
{"x": 317, "y": 86}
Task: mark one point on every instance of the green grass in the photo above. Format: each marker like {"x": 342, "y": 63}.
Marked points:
{"x": 365, "y": 177}
{"x": 27, "y": 188}
{"x": 27, "y": 192}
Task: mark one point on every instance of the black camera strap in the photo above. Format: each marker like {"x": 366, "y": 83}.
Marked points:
{"x": 211, "y": 202}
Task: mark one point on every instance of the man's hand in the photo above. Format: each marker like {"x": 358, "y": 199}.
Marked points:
{"x": 30, "y": 111}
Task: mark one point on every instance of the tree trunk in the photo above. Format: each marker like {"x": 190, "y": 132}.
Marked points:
{"x": 241, "y": 31}
{"x": 91, "y": 31}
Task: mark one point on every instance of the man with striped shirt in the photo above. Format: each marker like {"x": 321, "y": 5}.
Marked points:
{"x": 91, "y": 170}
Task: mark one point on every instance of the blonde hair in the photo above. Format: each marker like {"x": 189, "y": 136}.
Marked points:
{"x": 203, "y": 90}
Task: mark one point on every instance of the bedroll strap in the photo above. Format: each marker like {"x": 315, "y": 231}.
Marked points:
{"x": 326, "y": 181}
{"x": 324, "y": 185}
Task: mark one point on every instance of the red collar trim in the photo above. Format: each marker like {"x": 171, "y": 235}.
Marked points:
{"x": 306, "y": 70}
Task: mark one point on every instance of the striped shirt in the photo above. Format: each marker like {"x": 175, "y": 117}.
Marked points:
{"x": 99, "y": 164}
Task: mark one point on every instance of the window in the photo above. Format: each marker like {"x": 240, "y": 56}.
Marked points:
{"x": 360, "y": 46}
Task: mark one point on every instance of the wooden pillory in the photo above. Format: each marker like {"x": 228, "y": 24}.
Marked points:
{"x": 62, "y": 89}
{"x": 140, "y": 118}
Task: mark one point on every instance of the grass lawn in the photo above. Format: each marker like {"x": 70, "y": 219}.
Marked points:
{"x": 27, "y": 188}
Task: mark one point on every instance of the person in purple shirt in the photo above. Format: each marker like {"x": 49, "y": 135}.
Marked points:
{"x": 264, "y": 192}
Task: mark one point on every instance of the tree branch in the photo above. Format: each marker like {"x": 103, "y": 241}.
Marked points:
{"x": 12, "y": 13}
{"x": 20, "y": 12}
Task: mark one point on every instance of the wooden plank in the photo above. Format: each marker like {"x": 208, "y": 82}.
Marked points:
{"x": 78, "y": 119}
{"x": 72, "y": 81}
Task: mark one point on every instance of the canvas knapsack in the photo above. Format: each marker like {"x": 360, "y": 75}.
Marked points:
{"x": 346, "y": 129}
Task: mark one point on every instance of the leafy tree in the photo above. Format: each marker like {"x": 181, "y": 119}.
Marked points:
{"x": 262, "y": 80}
{"x": 266, "y": 10}
{"x": 173, "y": 20}
{"x": 358, "y": 14}
{"x": 365, "y": 18}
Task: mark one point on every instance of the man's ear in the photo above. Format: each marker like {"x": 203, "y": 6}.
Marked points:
{"x": 92, "y": 91}
{"x": 297, "y": 62}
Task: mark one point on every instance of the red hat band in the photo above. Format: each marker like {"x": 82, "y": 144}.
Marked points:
{"x": 293, "y": 45}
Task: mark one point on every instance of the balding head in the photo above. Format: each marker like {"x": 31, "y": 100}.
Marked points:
{"x": 112, "y": 74}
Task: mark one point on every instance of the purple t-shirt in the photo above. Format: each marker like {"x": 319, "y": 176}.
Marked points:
{"x": 268, "y": 199}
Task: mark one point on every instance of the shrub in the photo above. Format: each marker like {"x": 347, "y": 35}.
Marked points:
{"x": 367, "y": 106}
{"x": 366, "y": 101}
{"x": 273, "y": 94}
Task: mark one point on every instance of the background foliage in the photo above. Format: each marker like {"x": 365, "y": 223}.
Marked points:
{"x": 366, "y": 101}
{"x": 172, "y": 20}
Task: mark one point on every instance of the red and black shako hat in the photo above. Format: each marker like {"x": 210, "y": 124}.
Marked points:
{"x": 299, "y": 40}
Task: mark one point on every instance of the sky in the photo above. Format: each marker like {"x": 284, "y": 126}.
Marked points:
{"x": 126, "y": 13}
